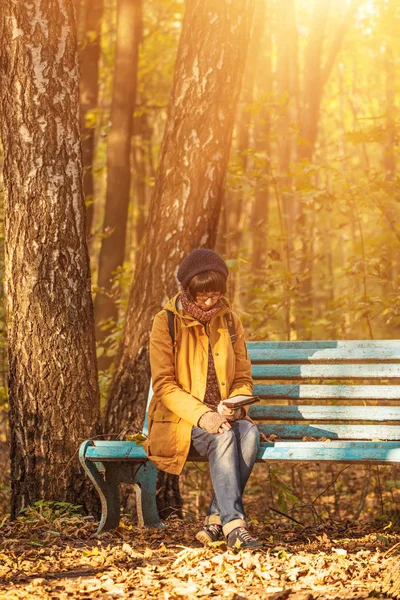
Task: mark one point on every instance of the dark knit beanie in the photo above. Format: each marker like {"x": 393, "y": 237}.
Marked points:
{"x": 199, "y": 261}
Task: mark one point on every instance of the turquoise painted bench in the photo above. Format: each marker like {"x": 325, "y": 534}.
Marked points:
{"x": 344, "y": 392}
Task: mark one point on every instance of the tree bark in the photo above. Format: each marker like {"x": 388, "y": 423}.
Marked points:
{"x": 78, "y": 6}
{"x": 53, "y": 390}
{"x": 189, "y": 185}
{"x": 89, "y": 89}
{"x": 112, "y": 252}
{"x": 142, "y": 134}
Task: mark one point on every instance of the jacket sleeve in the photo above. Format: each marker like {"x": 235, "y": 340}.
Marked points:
{"x": 164, "y": 382}
{"x": 243, "y": 382}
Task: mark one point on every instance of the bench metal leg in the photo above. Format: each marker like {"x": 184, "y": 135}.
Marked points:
{"x": 106, "y": 481}
{"x": 106, "y": 477}
{"x": 145, "y": 487}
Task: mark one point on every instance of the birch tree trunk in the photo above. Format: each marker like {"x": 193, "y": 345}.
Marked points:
{"x": 189, "y": 185}
{"x": 53, "y": 390}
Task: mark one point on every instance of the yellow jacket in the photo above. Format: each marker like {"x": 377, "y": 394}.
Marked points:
{"x": 179, "y": 378}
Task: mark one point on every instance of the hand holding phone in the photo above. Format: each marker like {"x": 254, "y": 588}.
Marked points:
{"x": 224, "y": 410}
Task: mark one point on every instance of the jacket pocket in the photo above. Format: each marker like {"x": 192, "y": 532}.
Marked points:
{"x": 163, "y": 434}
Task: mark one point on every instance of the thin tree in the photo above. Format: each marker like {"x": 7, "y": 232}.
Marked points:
{"x": 112, "y": 250}
{"x": 189, "y": 184}
{"x": 288, "y": 97}
{"x": 262, "y": 142}
{"x": 89, "y": 91}
{"x": 53, "y": 390}
{"x": 245, "y": 132}
{"x": 316, "y": 76}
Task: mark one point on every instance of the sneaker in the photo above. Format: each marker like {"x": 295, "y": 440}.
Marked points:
{"x": 241, "y": 538}
{"x": 209, "y": 533}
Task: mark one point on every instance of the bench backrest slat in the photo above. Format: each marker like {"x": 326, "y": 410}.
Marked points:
{"x": 278, "y": 412}
{"x": 326, "y": 371}
{"x": 338, "y": 432}
{"x": 320, "y": 392}
{"x": 343, "y": 354}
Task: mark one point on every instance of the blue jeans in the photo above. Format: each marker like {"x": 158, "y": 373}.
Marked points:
{"x": 231, "y": 457}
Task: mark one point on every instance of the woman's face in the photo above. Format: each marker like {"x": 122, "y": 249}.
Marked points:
{"x": 206, "y": 300}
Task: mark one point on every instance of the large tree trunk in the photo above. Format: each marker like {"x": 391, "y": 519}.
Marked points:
{"x": 112, "y": 252}
{"x": 53, "y": 390}
{"x": 89, "y": 88}
{"x": 188, "y": 192}
{"x": 189, "y": 185}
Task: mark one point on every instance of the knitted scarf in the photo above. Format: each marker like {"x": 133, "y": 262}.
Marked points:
{"x": 203, "y": 316}
{"x": 212, "y": 396}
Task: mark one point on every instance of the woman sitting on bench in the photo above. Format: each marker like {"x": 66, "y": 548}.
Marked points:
{"x": 198, "y": 359}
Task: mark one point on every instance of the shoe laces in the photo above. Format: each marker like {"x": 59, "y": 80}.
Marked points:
{"x": 245, "y": 535}
{"x": 214, "y": 528}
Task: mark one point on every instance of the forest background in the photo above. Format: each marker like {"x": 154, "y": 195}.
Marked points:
{"x": 308, "y": 219}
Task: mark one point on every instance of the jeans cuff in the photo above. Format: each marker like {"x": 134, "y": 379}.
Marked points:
{"x": 233, "y": 525}
{"x": 213, "y": 520}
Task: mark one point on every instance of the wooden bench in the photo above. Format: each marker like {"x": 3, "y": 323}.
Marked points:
{"x": 344, "y": 392}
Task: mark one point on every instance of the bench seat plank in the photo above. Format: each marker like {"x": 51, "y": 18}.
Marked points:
{"x": 340, "y": 432}
{"x": 325, "y": 371}
{"x": 326, "y": 355}
{"x": 316, "y": 451}
{"x": 362, "y": 392}
{"x": 281, "y": 412}
{"x": 117, "y": 450}
{"x": 347, "y": 452}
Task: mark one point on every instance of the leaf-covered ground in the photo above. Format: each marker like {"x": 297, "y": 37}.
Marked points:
{"x": 49, "y": 554}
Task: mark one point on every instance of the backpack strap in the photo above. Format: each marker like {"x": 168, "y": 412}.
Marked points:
{"x": 171, "y": 325}
{"x": 231, "y": 327}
